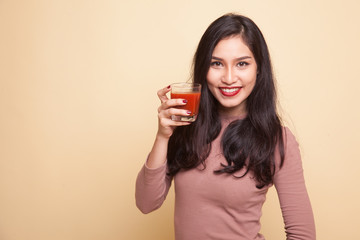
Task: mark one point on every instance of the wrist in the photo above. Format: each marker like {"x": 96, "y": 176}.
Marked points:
{"x": 162, "y": 137}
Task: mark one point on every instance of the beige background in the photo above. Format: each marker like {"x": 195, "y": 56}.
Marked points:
{"x": 78, "y": 82}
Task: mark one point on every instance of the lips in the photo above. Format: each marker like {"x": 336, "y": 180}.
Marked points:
{"x": 229, "y": 91}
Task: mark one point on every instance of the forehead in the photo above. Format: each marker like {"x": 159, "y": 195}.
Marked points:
{"x": 232, "y": 45}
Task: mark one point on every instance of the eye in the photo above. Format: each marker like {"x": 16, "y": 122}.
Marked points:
{"x": 242, "y": 64}
{"x": 216, "y": 64}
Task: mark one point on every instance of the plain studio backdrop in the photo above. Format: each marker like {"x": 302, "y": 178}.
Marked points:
{"x": 78, "y": 109}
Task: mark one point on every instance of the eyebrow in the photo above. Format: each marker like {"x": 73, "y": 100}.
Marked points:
{"x": 237, "y": 59}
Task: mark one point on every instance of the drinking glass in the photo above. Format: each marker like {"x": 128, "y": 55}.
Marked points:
{"x": 191, "y": 92}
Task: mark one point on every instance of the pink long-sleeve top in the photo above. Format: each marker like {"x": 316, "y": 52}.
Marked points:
{"x": 212, "y": 206}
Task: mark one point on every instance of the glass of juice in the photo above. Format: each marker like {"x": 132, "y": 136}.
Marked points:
{"x": 191, "y": 92}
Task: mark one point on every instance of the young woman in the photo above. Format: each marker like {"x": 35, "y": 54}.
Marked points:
{"x": 224, "y": 163}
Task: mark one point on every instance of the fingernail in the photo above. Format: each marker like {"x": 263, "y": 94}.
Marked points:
{"x": 185, "y": 101}
{"x": 188, "y": 112}
{"x": 168, "y": 86}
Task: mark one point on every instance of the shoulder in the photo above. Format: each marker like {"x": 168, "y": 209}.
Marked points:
{"x": 290, "y": 142}
{"x": 292, "y": 155}
{"x": 289, "y": 139}
{"x": 290, "y": 149}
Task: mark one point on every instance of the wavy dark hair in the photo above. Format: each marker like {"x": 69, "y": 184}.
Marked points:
{"x": 249, "y": 143}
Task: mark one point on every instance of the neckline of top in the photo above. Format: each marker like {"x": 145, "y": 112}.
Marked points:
{"x": 229, "y": 119}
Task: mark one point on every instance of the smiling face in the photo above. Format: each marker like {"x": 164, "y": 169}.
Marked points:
{"x": 232, "y": 75}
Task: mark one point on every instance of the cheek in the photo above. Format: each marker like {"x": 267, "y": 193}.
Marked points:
{"x": 212, "y": 77}
{"x": 211, "y": 86}
{"x": 251, "y": 86}
{"x": 248, "y": 76}
{"x": 209, "y": 79}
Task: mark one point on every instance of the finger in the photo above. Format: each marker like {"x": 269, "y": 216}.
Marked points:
{"x": 167, "y": 113}
{"x": 162, "y": 93}
{"x": 172, "y": 103}
{"x": 167, "y": 122}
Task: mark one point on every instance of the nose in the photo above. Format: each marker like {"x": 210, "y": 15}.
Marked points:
{"x": 229, "y": 76}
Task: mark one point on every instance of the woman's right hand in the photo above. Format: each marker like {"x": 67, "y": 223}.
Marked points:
{"x": 166, "y": 110}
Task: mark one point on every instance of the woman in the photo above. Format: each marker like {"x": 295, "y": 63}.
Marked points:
{"x": 224, "y": 163}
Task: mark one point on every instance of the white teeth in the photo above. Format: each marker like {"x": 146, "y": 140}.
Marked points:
{"x": 229, "y": 90}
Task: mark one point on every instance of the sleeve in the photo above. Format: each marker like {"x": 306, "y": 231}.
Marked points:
{"x": 152, "y": 187}
{"x": 294, "y": 200}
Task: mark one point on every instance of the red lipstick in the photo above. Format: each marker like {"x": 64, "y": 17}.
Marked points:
{"x": 229, "y": 91}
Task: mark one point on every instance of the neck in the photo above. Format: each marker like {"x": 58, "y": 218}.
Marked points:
{"x": 235, "y": 112}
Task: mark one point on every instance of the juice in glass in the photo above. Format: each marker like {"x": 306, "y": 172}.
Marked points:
{"x": 191, "y": 92}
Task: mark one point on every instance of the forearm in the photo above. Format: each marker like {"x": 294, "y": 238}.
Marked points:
{"x": 157, "y": 156}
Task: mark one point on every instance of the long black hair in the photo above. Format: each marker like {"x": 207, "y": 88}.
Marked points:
{"x": 249, "y": 143}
